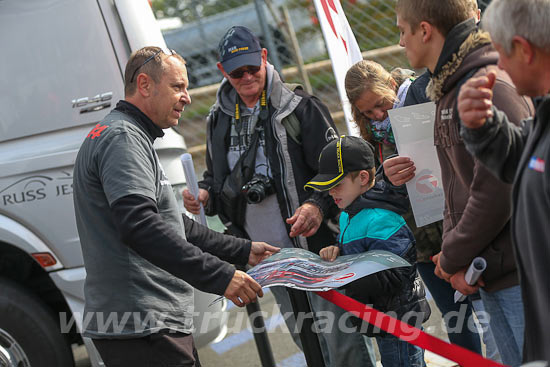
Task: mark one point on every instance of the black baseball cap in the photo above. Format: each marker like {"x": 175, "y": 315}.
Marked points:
{"x": 239, "y": 47}
{"x": 340, "y": 157}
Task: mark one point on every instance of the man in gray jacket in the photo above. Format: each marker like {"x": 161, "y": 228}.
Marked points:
{"x": 521, "y": 34}
{"x": 142, "y": 256}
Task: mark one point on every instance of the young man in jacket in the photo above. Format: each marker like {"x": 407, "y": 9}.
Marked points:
{"x": 143, "y": 257}
{"x": 265, "y": 137}
{"x": 443, "y": 37}
{"x": 519, "y": 154}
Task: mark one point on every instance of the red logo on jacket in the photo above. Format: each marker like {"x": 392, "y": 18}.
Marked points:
{"x": 96, "y": 131}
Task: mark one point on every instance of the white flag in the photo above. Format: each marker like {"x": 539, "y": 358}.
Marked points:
{"x": 342, "y": 49}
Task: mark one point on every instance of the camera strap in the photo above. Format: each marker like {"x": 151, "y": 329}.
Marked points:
{"x": 263, "y": 115}
{"x": 233, "y": 203}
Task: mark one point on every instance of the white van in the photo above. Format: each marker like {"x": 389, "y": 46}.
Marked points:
{"x": 61, "y": 73}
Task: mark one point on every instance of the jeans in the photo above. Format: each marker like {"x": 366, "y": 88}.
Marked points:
{"x": 443, "y": 295}
{"x": 397, "y": 353}
{"x": 340, "y": 348}
{"x": 491, "y": 350}
{"x": 505, "y": 308}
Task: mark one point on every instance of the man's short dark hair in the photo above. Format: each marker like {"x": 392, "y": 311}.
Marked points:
{"x": 140, "y": 62}
{"x": 442, "y": 14}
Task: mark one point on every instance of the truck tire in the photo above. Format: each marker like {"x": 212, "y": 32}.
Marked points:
{"x": 29, "y": 333}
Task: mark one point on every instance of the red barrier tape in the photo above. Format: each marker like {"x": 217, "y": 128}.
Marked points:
{"x": 453, "y": 352}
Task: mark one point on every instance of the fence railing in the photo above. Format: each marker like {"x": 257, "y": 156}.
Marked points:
{"x": 194, "y": 28}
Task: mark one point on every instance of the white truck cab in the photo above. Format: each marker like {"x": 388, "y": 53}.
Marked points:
{"x": 61, "y": 73}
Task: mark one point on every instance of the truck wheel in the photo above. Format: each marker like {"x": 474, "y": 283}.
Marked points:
{"x": 29, "y": 332}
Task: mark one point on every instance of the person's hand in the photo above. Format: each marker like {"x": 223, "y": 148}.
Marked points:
{"x": 305, "y": 221}
{"x": 438, "y": 270}
{"x": 459, "y": 283}
{"x": 242, "y": 289}
{"x": 329, "y": 253}
{"x": 399, "y": 170}
{"x": 475, "y": 100}
{"x": 192, "y": 204}
{"x": 260, "y": 251}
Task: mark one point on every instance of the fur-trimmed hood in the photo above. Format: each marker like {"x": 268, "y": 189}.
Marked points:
{"x": 452, "y": 58}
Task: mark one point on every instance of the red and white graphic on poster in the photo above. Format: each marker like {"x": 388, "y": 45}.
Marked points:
{"x": 426, "y": 184}
{"x": 342, "y": 48}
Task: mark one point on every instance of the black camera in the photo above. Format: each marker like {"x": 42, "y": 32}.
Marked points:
{"x": 258, "y": 188}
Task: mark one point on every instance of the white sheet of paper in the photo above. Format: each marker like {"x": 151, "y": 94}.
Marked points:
{"x": 413, "y": 129}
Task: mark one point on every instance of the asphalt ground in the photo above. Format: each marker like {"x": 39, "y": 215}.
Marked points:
{"x": 238, "y": 347}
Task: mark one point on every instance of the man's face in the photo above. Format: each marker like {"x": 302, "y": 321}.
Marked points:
{"x": 170, "y": 95}
{"x": 414, "y": 47}
{"x": 250, "y": 85}
{"x": 514, "y": 66}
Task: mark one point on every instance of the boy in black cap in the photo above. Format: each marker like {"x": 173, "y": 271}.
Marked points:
{"x": 370, "y": 221}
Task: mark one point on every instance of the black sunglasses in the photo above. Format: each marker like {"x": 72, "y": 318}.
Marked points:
{"x": 238, "y": 74}
{"x": 172, "y": 52}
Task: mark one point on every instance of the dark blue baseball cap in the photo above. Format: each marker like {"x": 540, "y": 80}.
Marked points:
{"x": 239, "y": 47}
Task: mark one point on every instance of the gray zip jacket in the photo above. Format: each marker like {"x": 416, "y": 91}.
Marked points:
{"x": 293, "y": 164}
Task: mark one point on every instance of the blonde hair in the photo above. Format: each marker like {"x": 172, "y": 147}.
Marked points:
{"x": 367, "y": 75}
{"x": 473, "y": 7}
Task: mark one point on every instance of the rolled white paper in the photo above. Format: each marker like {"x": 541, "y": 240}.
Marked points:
{"x": 192, "y": 185}
{"x": 473, "y": 273}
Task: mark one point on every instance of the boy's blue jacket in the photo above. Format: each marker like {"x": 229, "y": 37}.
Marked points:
{"x": 373, "y": 222}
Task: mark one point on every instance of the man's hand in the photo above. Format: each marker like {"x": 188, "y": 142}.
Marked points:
{"x": 329, "y": 253}
{"x": 305, "y": 221}
{"x": 242, "y": 289}
{"x": 260, "y": 251}
{"x": 192, "y": 204}
{"x": 475, "y": 100}
{"x": 399, "y": 170}
{"x": 459, "y": 283}
{"x": 438, "y": 270}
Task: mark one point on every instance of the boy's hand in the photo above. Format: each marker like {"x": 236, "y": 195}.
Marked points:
{"x": 329, "y": 253}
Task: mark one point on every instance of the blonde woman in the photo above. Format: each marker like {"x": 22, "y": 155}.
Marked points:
{"x": 372, "y": 91}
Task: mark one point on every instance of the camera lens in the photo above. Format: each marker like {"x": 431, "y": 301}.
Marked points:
{"x": 256, "y": 194}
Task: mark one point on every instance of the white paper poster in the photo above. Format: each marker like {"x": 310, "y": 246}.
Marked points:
{"x": 413, "y": 129}
{"x": 302, "y": 269}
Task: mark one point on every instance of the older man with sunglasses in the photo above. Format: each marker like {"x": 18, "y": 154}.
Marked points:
{"x": 264, "y": 138}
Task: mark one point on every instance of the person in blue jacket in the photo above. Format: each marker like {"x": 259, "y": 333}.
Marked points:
{"x": 371, "y": 220}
